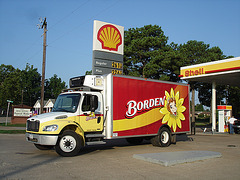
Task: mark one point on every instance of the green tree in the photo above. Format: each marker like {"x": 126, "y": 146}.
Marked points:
{"x": 5, "y": 70}
{"x": 196, "y": 52}
{"x": 144, "y": 49}
{"x": 15, "y": 84}
{"x": 199, "y": 107}
{"x": 53, "y": 87}
{"x": 233, "y": 98}
{"x": 88, "y": 72}
{"x": 10, "y": 85}
{"x": 230, "y": 93}
{"x": 205, "y": 93}
{"x": 31, "y": 85}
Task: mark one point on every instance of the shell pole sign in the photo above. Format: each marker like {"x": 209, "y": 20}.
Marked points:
{"x": 108, "y": 37}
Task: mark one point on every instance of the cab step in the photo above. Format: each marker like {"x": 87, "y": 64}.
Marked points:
{"x": 94, "y": 139}
{"x": 94, "y": 136}
{"x": 95, "y": 143}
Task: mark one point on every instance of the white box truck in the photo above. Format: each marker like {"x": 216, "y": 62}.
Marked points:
{"x": 97, "y": 108}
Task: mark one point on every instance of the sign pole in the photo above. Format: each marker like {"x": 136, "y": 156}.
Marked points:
{"x": 8, "y": 110}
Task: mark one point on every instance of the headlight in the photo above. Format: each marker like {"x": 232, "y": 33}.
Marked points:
{"x": 50, "y": 128}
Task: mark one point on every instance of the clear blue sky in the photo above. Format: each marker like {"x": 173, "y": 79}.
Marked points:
{"x": 70, "y": 28}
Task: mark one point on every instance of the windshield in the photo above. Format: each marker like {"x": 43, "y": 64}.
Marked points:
{"x": 66, "y": 103}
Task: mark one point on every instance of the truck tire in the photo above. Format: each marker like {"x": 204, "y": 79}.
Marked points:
{"x": 163, "y": 139}
{"x": 43, "y": 147}
{"x": 155, "y": 141}
{"x": 69, "y": 144}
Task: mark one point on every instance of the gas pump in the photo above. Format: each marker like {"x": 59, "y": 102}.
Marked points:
{"x": 224, "y": 113}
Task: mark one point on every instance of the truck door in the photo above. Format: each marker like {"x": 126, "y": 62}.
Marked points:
{"x": 91, "y": 118}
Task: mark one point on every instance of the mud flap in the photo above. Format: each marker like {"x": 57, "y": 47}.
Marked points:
{"x": 173, "y": 139}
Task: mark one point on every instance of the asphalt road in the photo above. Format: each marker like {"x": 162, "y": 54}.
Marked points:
{"x": 21, "y": 160}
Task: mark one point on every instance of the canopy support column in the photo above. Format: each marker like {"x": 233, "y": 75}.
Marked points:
{"x": 214, "y": 107}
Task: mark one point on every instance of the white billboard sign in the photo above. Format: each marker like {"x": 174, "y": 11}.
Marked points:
{"x": 21, "y": 112}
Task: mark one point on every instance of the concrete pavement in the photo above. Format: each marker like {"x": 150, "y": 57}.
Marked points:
{"x": 21, "y": 160}
{"x": 179, "y": 157}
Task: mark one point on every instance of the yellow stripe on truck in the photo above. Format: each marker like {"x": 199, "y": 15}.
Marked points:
{"x": 142, "y": 120}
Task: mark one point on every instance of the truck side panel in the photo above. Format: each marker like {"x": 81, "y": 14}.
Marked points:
{"x": 141, "y": 107}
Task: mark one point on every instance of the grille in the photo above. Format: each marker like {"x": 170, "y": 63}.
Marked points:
{"x": 33, "y": 125}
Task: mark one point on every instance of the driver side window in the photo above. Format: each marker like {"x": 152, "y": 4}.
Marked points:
{"x": 86, "y": 105}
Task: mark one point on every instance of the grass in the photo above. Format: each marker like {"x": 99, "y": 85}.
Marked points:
{"x": 13, "y": 125}
{"x": 200, "y": 125}
{"x": 12, "y": 131}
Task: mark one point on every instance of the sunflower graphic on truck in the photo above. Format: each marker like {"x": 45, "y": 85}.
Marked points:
{"x": 173, "y": 110}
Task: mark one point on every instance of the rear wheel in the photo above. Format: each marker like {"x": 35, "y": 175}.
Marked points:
{"x": 69, "y": 144}
{"x": 163, "y": 138}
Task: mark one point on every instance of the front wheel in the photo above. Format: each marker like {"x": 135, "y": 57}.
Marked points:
{"x": 69, "y": 144}
{"x": 163, "y": 138}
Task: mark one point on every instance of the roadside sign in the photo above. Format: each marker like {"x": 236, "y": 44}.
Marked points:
{"x": 108, "y": 41}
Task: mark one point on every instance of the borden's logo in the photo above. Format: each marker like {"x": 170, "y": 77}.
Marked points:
{"x": 110, "y": 37}
{"x": 133, "y": 107}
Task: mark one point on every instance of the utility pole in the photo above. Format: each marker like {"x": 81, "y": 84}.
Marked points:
{"x": 44, "y": 27}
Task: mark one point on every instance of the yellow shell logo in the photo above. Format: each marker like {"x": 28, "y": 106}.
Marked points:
{"x": 110, "y": 37}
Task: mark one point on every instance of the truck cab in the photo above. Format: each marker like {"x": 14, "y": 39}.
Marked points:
{"x": 76, "y": 119}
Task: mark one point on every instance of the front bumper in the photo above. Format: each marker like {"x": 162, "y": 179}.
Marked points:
{"x": 42, "y": 139}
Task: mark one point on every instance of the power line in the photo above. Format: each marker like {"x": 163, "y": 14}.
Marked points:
{"x": 29, "y": 48}
{"x": 62, "y": 19}
{"x": 38, "y": 40}
{"x": 76, "y": 27}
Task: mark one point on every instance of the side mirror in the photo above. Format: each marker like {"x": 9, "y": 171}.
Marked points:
{"x": 94, "y": 103}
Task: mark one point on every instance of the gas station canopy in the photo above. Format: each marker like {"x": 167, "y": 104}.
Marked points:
{"x": 223, "y": 72}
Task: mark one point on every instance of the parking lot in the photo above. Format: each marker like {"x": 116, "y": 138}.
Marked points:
{"x": 21, "y": 160}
